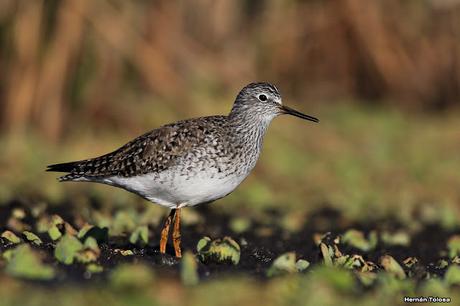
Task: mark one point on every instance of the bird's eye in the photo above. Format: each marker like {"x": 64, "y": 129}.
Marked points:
{"x": 262, "y": 97}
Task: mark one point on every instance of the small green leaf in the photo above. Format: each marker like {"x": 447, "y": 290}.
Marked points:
{"x": 100, "y": 234}
{"x": 24, "y": 262}
{"x": 67, "y": 249}
{"x": 90, "y": 253}
{"x": 86, "y": 256}
{"x": 94, "y": 268}
{"x": 442, "y": 264}
{"x": 327, "y": 253}
{"x": 56, "y": 220}
{"x": 302, "y": 265}
{"x": 398, "y": 238}
{"x": 34, "y": 239}
{"x": 219, "y": 250}
{"x": 453, "y": 244}
{"x": 283, "y": 264}
{"x": 54, "y": 233}
{"x": 91, "y": 243}
{"x": 126, "y": 252}
{"x": 452, "y": 276}
{"x": 11, "y": 237}
{"x": 392, "y": 266}
{"x": 357, "y": 240}
{"x": 189, "y": 269}
{"x": 125, "y": 221}
{"x": 202, "y": 243}
{"x": 140, "y": 236}
{"x": 240, "y": 225}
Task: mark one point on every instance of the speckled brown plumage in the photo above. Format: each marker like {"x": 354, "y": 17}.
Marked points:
{"x": 153, "y": 151}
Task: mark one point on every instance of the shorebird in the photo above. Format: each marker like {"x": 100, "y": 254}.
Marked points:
{"x": 188, "y": 162}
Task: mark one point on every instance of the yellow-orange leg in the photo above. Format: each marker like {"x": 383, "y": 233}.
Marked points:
{"x": 165, "y": 231}
{"x": 176, "y": 234}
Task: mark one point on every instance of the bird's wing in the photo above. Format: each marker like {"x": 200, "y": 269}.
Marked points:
{"x": 152, "y": 152}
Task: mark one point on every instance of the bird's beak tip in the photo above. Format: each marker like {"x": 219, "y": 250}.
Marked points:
{"x": 293, "y": 112}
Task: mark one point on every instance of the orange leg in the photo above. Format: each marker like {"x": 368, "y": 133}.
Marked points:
{"x": 165, "y": 231}
{"x": 176, "y": 234}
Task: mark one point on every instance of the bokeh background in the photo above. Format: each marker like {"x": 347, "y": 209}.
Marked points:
{"x": 79, "y": 78}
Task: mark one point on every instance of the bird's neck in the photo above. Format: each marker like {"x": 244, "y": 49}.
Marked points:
{"x": 248, "y": 130}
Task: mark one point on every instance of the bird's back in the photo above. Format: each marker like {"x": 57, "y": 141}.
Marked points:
{"x": 152, "y": 152}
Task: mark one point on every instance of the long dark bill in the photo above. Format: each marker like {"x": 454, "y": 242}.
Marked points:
{"x": 293, "y": 112}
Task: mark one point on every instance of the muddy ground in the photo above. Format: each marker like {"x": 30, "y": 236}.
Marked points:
{"x": 260, "y": 243}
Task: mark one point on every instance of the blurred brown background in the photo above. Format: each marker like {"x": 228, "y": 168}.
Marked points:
{"x": 74, "y": 62}
{"x": 80, "y": 78}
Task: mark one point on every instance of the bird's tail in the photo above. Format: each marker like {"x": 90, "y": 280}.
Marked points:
{"x": 66, "y": 167}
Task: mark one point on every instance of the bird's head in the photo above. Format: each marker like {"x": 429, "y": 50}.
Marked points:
{"x": 263, "y": 101}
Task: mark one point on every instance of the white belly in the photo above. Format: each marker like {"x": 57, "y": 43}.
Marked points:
{"x": 179, "y": 191}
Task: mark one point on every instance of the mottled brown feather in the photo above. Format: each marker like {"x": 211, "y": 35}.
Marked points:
{"x": 153, "y": 151}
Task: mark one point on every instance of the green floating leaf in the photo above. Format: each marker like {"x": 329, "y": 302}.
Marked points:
{"x": 140, "y": 236}
{"x": 67, "y": 249}
{"x": 131, "y": 276}
{"x": 392, "y": 266}
{"x": 357, "y": 240}
{"x": 31, "y": 237}
{"x": 219, "y": 250}
{"x": 189, "y": 269}
{"x": 24, "y": 262}
{"x": 286, "y": 263}
{"x": 452, "y": 276}
{"x": 11, "y": 237}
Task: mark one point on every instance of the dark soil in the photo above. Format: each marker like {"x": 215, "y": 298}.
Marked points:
{"x": 261, "y": 247}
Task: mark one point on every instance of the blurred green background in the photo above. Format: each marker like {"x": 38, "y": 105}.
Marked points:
{"x": 80, "y": 78}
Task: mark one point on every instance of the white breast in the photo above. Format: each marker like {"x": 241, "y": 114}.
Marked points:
{"x": 178, "y": 191}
